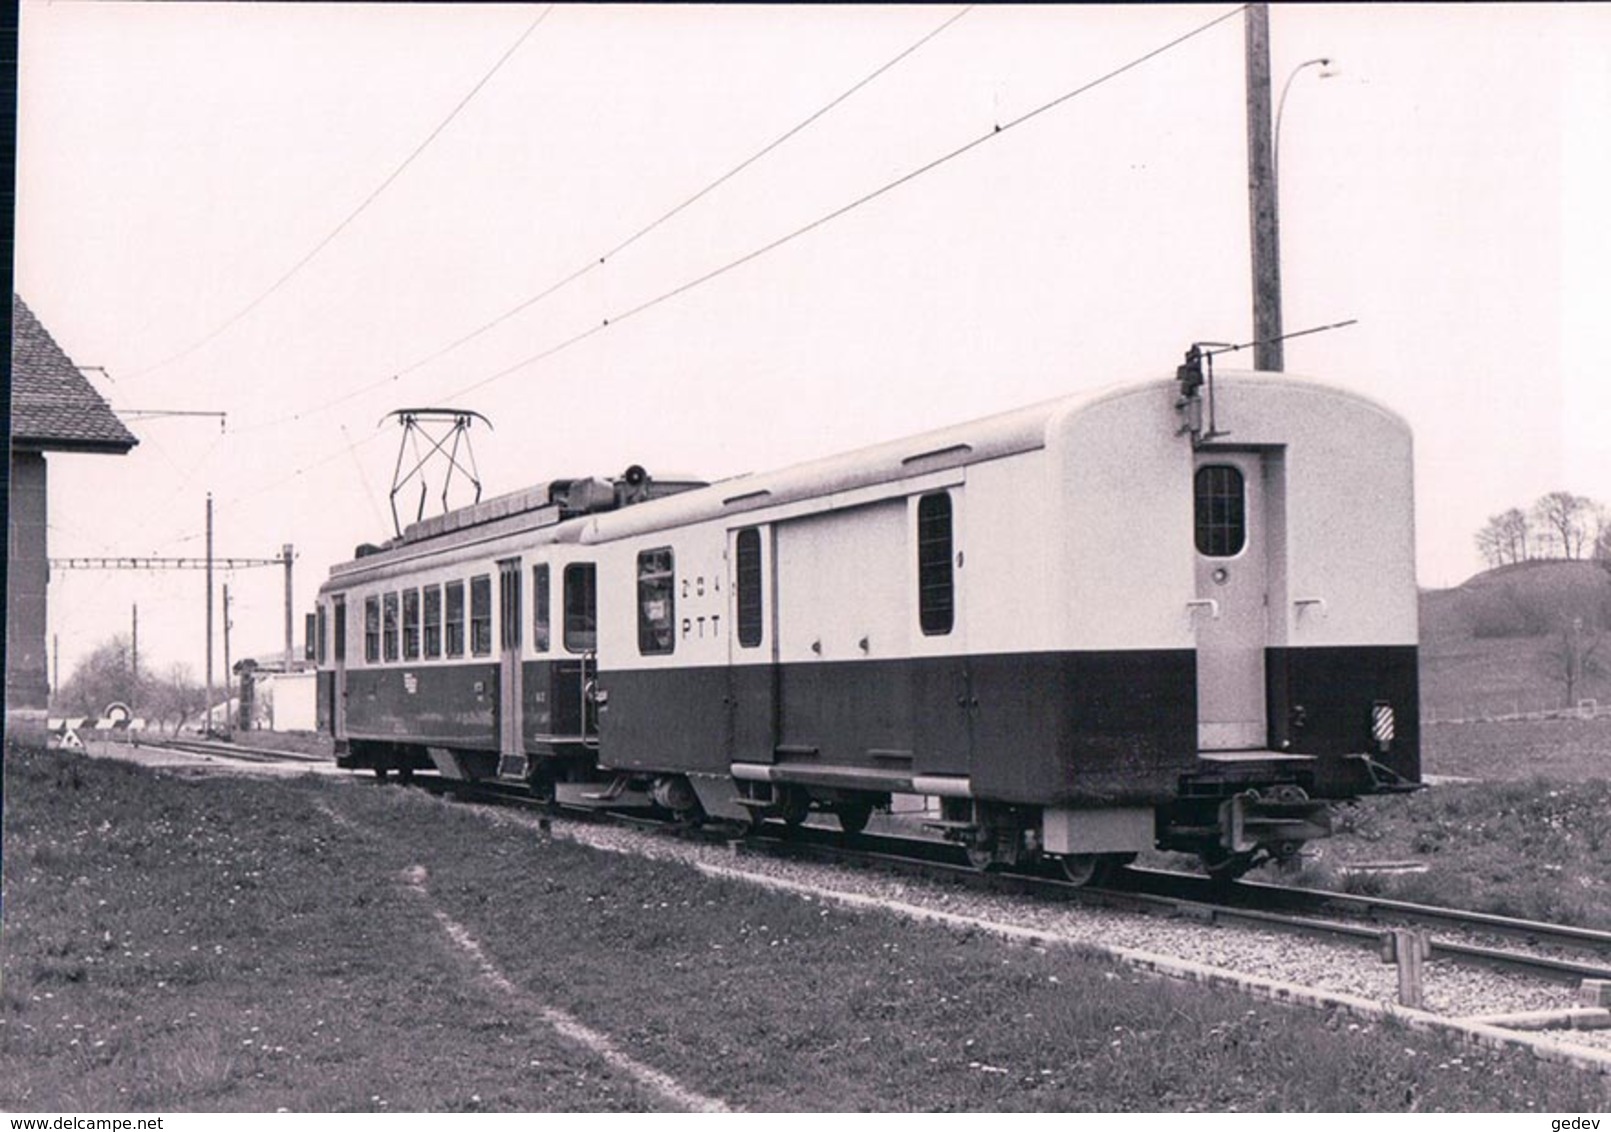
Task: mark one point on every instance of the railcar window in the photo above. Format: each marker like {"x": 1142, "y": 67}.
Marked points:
{"x": 751, "y": 625}
{"x": 320, "y": 627}
{"x": 509, "y": 605}
{"x": 540, "y": 637}
{"x": 411, "y": 624}
{"x": 341, "y": 630}
{"x": 936, "y": 585}
{"x": 1220, "y": 511}
{"x": 581, "y": 607}
{"x": 481, "y": 615}
{"x": 454, "y": 599}
{"x": 388, "y": 626}
{"x": 433, "y": 622}
{"x": 657, "y": 602}
{"x": 371, "y": 629}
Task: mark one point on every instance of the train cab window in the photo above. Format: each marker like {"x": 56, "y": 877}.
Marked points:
{"x": 453, "y": 625}
{"x": 321, "y": 626}
{"x": 433, "y": 622}
{"x": 657, "y": 602}
{"x": 388, "y": 626}
{"x": 481, "y": 615}
{"x": 1221, "y": 513}
{"x": 581, "y": 607}
{"x": 541, "y": 617}
{"x": 936, "y": 584}
{"x": 411, "y": 624}
{"x": 371, "y": 629}
{"x": 751, "y": 624}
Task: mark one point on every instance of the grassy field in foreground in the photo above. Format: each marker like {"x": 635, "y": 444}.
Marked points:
{"x": 230, "y": 944}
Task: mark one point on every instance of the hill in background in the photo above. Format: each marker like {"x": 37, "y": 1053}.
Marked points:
{"x": 1496, "y": 645}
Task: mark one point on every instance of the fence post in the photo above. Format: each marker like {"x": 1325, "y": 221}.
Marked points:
{"x": 1409, "y": 948}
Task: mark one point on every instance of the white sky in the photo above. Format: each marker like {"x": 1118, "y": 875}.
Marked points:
{"x": 1447, "y": 189}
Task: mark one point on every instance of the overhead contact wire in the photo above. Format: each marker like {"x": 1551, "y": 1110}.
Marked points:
{"x": 866, "y": 198}
{"x": 364, "y": 204}
{"x": 819, "y": 222}
{"x": 599, "y": 260}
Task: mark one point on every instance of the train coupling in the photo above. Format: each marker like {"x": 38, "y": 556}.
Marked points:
{"x": 1281, "y": 816}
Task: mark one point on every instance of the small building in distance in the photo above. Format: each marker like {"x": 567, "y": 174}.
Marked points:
{"x": 53, "y": 409}
{"x": 274, "y": 698}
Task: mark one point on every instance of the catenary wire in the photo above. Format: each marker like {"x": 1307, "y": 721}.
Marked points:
{"x": 777, "y": 243}
{"x": 600, "y": 259}
{"x": 356, "y": 212}
{"x": 842, "y": 210}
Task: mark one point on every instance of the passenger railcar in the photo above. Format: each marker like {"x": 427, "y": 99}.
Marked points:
{"x": 1080, "y": 630}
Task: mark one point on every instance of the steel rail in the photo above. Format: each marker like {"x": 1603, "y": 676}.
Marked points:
{"x": 1372, "y": 908}
{"x": 1144, "y": 891}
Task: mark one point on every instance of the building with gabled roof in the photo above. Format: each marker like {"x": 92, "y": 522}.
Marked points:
{"x": 53, "y": 409}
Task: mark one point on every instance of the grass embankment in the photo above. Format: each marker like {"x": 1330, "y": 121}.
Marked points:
{"x": 249, "y": 944}
{"x": 1526, "y": 837}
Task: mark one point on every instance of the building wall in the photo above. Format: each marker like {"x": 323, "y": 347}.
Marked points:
{"x": 280, "y": 701}
{"x": 27, "y": 671}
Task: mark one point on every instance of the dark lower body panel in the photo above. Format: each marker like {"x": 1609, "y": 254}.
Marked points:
{"x": 1361, "y": 699}
{"x": 1088, "y": 728}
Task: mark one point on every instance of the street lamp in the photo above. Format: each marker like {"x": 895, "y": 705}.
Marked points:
{"x": 1327, "y": 70}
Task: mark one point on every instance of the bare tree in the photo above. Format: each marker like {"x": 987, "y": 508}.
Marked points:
{"x": 1491, "y": 544}
{"x": 104, "y": 677}
{"x": 1505, "y": 539}
{"x": 178, "y": 698}
{"x": 1518, "y": 535}
{"x": 1574, "y": 655}
{"x": 1568, "y": 520}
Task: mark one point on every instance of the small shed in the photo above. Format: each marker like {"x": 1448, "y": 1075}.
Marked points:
{"x": 274, "y": 699}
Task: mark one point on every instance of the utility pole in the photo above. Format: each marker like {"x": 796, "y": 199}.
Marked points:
{"x": 134, "y": 692}
{"x": 229, "y": 671}
{"x": 208, "y": 709}
{"x": 210, "y": 563}
{"x": 1262, "y": 216}
{"x": 56, "y": 662}
{"x": 285, "y": 552}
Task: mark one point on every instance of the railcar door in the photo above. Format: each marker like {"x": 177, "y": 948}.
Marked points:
{"x": 575, "y": 715}
{"x": 338, "y": 691}
{"x": 843, "y": 601}
{"x": 1232, "y": 540}
{"x": 752, "y": 671}
{"x": 511, "y": 703}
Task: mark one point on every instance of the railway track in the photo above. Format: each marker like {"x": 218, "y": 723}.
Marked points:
{"x": 212, "y": 748}
{"x": 1311, "y": 912}
{"x": 1465, "y": 938}
{"x": 1264, "y": 899}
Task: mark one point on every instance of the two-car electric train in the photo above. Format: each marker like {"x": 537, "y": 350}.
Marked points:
{"x": 1078, "y": 630}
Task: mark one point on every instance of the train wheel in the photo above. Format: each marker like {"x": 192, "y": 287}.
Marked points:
{"x": 405, "y": 774}
{"x": 541, "y": 787}
{"x": 853, "y": 816}
{"x": 1225, "y": 867}
{"x": 981, "y": 848}
{"x": 1085, "y": 868}
{"x": 794, "y": 806}
{"x": 382, "y": 772}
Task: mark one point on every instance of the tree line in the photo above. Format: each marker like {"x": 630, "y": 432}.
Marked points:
{"x": 1558, "y": 525}
{"x": 170, "y": 699}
